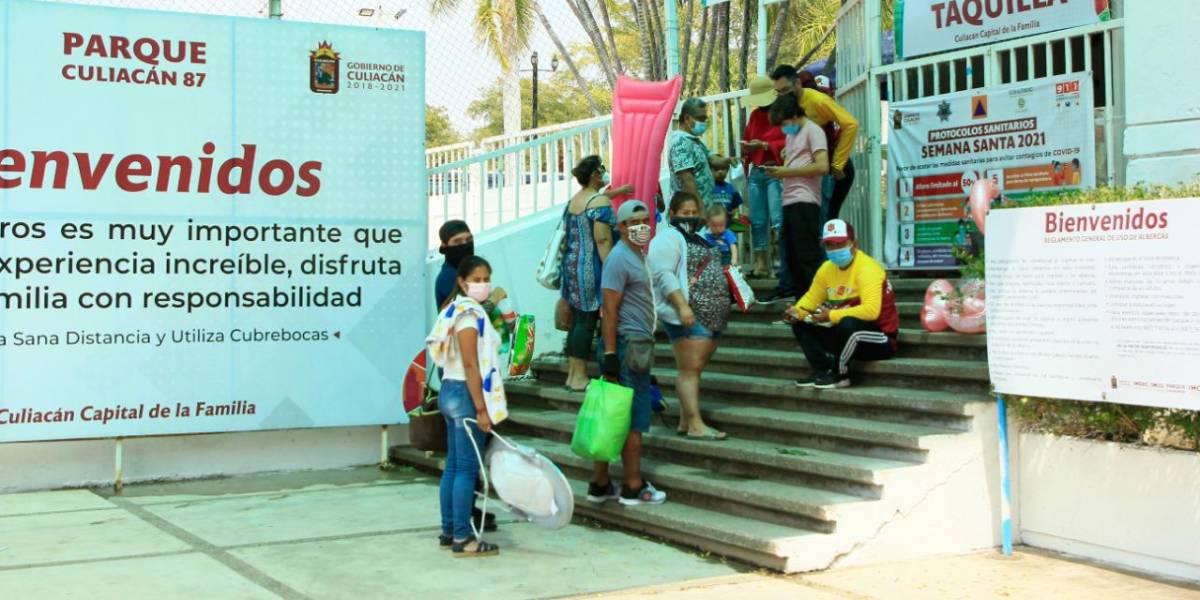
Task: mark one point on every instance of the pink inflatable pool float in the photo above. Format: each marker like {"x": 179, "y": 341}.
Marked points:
{"x": 642, "y": 112}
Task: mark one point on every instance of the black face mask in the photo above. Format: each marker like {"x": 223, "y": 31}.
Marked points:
{"x": 688, "y": 224}
{"x": 455, "y": 254}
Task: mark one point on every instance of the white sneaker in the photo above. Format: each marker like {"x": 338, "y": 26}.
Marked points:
{"x": 647, "y": 495}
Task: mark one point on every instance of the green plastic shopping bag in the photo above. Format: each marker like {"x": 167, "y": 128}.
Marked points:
{"x": 603, "y": 422}
{"x": 522, "y": 346}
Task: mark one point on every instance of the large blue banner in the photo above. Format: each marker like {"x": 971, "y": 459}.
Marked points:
{"x": 206, "y": 223}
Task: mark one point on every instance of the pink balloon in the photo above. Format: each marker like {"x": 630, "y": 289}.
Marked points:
{"x": 939, "y": 293}
{"x": 967, "y": 323}
{"x": 973, "y": 288}
{"x": 983, "y": 191}
{"x": 933, "y": 318}
{"x": 973, "y": 307}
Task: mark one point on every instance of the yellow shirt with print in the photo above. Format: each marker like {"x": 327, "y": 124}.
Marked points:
{"x": 821, "y": 109}
{"x": 854, "y": 292}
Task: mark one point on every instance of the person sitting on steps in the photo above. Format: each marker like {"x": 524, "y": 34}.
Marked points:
{"x": 849, "y": 313}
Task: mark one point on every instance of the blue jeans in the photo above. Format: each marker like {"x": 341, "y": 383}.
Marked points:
{"x": 462, "y": 465}
{"x": 766, "y": 201}
{"x": 640, "y": 383}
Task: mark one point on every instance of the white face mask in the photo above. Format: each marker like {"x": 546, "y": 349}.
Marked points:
{"x": 639, "y": 234}
{"x": 479, "y": 291}
{"x": 606, "y": 178}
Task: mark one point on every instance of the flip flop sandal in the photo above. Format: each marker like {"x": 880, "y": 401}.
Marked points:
{"x": 473, "y": 548}
{"x": 712, "y": 435}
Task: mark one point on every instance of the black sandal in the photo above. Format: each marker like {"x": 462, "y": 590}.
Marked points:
{"x": 472, "y": 548}
{"x": 445, "y": 541}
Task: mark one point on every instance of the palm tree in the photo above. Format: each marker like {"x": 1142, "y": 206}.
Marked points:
{"x": 583, "y": 12}
{"x": 611, "y": 38}
{"x": 562, "y": 50}
{"x": 744, "y": 55}
{"x": 687, "y": 39}
{"x": 781, "y": 18}
{"x": 503, "y": 26}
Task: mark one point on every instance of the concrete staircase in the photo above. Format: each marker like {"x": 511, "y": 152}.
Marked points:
{"x": 900, "y": 465}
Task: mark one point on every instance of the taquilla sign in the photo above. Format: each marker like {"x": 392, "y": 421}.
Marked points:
{"x": 930, "y": 26}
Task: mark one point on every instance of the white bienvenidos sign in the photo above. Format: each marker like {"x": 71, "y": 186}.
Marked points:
{"x": 1096, "y": 302}
{"x": 928, "y": 26}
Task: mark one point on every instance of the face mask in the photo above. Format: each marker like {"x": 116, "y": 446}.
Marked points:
{"x": 606, "y": 178}
{"x": 479, "y": 291}
{"x": 841, "y": 257}
{"x": 699, "y": 128}
{"x": 639, "y": 234}
{"x": 791, "y": 129}
{"x": 688, "y": 224}
{"x": 455, "y": 254}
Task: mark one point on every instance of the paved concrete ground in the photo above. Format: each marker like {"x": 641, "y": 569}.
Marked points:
{"x": 363, "y": 533}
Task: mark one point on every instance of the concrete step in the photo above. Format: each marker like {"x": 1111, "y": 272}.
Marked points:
{"x": 758, "y": 329}
{"x": 846, "y": 474}
{"x": 848, "y": 435}
{"x": 788, "y": 505}
{"x": 754, "y": 541}
{"x": 948, "y": 410}
{"x": 906, "y": 373}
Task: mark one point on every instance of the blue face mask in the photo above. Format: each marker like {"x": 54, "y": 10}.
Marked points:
{"x": 841, "y": 257}
{"x": 699, "y": 128}
{"x": 791, "y": 129}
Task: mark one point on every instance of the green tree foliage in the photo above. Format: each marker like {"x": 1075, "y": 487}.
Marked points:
{"x": 439, "y": 131}
{"x": 559, "y": 101}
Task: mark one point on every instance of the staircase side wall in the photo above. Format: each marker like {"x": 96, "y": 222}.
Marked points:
{"x": 950, "y": 505}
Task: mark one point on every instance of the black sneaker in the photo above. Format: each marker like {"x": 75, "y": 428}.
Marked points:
{"x": 829, "y": 381}
{"x": 807, "y": 382}
{"x": 647, "y": 495}
{"x": 778, "y": 296}
{"x": 599, "y": 494}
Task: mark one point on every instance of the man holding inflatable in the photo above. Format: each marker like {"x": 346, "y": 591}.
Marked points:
{"x": 849, "y": 313}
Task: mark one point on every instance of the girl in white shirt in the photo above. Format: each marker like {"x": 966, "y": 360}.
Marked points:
{"x": 462, "y": 397}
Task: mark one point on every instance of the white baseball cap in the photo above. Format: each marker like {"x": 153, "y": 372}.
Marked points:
{"x": 837, "y": 231}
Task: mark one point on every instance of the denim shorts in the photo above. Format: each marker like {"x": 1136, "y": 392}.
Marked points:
{"x": 695, "y": 332}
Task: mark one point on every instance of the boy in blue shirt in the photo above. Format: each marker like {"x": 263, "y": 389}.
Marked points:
{"x": 723, "y": 192}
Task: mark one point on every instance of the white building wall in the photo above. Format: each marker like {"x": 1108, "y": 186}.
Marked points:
{"x": 1162, "y": 137}
{"x": 1135, "y": 507}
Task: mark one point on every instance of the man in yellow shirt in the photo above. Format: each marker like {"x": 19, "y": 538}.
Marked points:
{"x": 826, "y": 113}
{"x": 849, "y": 313}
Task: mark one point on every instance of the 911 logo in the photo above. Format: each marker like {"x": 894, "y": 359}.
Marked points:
{"x": 1067, "y": 87}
